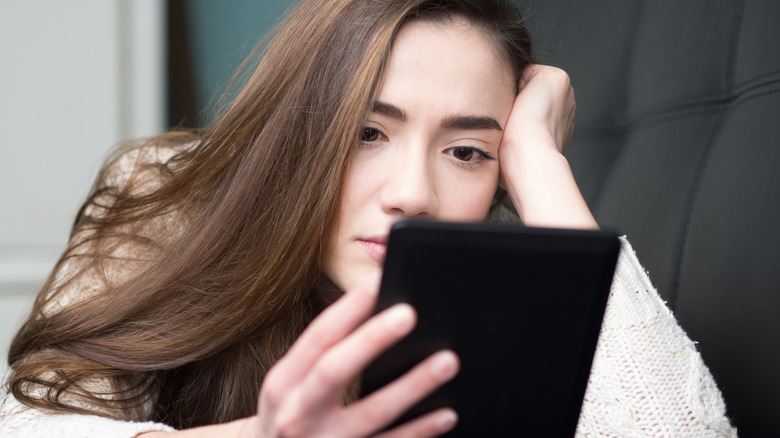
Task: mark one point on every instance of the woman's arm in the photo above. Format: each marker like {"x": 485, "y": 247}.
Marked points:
{"x": 533, "y": 169}
{"x": 647, "y": 379}
{"x": 227, "y": 430}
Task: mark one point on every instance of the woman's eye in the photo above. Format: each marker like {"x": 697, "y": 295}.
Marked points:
{"x": 469, "y": 154}
{"x": 369, "y": 134}
{"x": 463, "y": 154}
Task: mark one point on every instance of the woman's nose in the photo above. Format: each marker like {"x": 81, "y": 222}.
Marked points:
{"x": 409, "y": 189}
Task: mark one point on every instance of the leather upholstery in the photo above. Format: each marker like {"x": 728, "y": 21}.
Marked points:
{"x": 677, "y": 145}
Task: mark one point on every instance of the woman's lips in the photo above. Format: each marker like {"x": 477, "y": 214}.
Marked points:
{"x": 375, "y": 247}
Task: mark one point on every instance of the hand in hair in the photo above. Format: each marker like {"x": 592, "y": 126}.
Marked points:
{"x": 302, "y": 394}
{"x": 532, "y": 166}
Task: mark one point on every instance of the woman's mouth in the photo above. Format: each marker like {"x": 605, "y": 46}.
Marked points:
{"x": 376, "y": 247}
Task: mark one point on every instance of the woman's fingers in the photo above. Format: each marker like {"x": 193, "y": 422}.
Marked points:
{"x": 329, "y": 328}
{"x": 528, "y": 73}
{"x": 381, "y": 408}
{"x": 302, "y": 393}
{"x": 546, "y": 100}
{"x": 345, "y": 360}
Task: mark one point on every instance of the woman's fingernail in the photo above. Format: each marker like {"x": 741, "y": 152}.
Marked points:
{"x": 399, "y": 318}
{"x": 445, "y": 365}
{"x": 447, "y": 421}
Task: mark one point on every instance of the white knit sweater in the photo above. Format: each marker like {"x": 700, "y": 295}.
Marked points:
{"x": 647, "y": 379}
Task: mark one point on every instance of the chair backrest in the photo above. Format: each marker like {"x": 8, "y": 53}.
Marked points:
{"x": 677, "y": 145}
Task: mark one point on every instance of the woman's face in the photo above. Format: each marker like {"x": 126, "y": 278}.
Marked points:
{"x": 428, "y": 149}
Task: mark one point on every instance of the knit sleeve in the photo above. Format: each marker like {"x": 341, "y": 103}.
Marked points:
{"x": 647, "y": 379}
{"x": 19, "y": 421}
{"x": 77, "y": 280}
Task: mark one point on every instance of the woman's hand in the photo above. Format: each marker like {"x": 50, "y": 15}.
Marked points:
{"x": 544, "y": 109}
{"x": 532, "y": 166}
{"x": 302, "y": 394}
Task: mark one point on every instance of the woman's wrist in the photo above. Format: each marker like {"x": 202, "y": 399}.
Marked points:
{"x": 232, "y": 429}
{"x": 541, "y": 185}
{"x": 247, "y": 428}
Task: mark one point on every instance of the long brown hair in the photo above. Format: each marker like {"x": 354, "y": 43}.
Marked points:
{"x": 186, "y": 279}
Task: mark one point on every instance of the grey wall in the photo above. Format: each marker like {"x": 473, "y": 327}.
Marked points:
{"x": 76, "y": 79}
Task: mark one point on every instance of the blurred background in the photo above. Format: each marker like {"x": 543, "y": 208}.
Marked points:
{"x": 78, "y": 78}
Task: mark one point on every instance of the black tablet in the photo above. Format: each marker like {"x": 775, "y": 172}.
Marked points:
{"x": 522, "y": 307}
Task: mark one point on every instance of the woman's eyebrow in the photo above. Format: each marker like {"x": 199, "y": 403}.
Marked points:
{"x": 451, "y": 122}
{"x": 470, "y": 122}
{"x": 389, "y": 110}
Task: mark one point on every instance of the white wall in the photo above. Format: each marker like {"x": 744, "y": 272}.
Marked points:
{"x": 77, "y": 77}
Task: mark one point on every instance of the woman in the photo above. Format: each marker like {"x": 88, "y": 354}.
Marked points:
{"x": 201, "y": 271}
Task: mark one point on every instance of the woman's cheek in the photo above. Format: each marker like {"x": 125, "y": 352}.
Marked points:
{"x": 469, "y": 200}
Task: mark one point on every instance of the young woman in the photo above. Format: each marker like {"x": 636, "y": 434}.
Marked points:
{"x": 202, "y": 272}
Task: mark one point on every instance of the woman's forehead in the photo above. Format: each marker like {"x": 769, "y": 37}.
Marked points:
{"x": 454, "y": 65}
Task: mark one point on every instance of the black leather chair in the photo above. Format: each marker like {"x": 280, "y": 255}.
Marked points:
{"x": 677, "y": 145}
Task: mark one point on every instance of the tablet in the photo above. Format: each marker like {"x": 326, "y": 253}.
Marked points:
{"x": 522, "y": 307}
